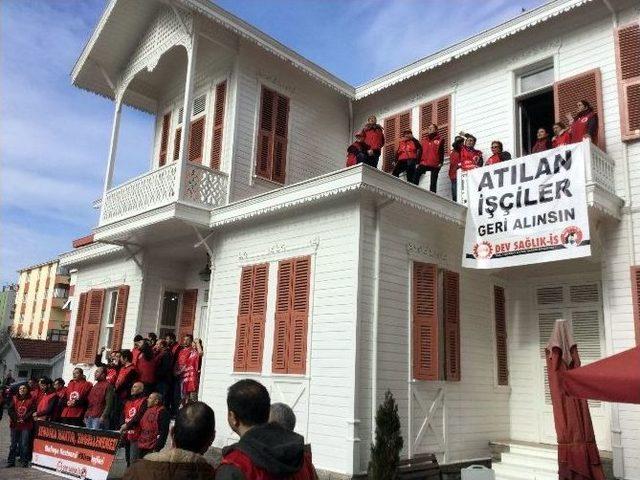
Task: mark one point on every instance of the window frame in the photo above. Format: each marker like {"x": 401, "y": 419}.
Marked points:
{"x": 108, "y": 312}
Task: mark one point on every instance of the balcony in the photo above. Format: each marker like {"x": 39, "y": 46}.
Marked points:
{"x": 600, "y": 185}
{"x": 200, "y": 187}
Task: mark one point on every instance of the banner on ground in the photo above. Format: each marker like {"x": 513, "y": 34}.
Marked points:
{"x": 528, "y": 210}
{"x": 74, "y": 452}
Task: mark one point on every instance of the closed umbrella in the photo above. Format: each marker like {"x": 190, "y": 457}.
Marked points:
{"x": 612, "y": 379}
{"x": 578, "y": 456}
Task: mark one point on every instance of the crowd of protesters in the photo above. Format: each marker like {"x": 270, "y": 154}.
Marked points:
{"x": 416, "y": 157}
{"x": 135, "y": 391}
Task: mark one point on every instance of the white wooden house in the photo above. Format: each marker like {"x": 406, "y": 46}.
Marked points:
{"x": 332, "y": 285}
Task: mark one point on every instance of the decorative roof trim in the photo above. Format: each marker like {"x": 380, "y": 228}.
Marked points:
{"x": 90, "y": 252}
{"x": 352, "y": 179}
{"x": 487, "y": 37}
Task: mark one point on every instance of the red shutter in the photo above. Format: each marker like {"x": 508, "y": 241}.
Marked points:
{"x": 297, "y": 348}
{"x": 244, "y": 318}
{"x": 164, "y": 139}
{"x": 628, "y": 66}
{"x": 176, "y": 144}
{"x": 188, "y": 312}
{"x": 255, "y": 341}
{"x": 635, "y": 288}
{"x": 77, "y": 334}
{"x": 272, "y": 140}
{"x": 218, "y": 125}
{"x": 280, "y": 139}
{"x": 585, "y": 86}
{"x": 120, "y": 317}
{"x": 196, "y": 140}
{"x": 91, "y": 328}
{"x": 438, "y": 112}
{"x": 501, "y": 335}
{"x": 451, "y": 300}
{"x": 393, "y": 128}
{"x": 425, "y": 321}
{"x": 426, "y": 118}
{"x": 280, "y": 355}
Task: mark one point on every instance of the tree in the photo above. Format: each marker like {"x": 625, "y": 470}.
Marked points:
{"x": 385, "y": 452}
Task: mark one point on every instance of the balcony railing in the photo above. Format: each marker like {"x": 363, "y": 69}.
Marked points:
{"x": 202, "y": 187}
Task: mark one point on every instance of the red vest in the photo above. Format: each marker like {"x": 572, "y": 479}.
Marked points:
{"x": 60, "y": 405}
{"x": 579, "y": 127}
{"x": 563, "y": 139}
{"x": 469, "y": 158}
{"x": 431, "y": 151}
{"x": 97, "y": 399}
{"x": 540, "y": 145}
{"x": 123, "y": 373}
{"x": 454, "y": 163}
{"x": 243, "y": 462}
{"x": 130, "y": 410}
{"x": 374, "y": 137}
{"x": 43, "y": 404}
{"x": 495, "y": 158}
{"x": 112, "y": 374}
{"x": 147, "y": 369}
{"x": 407, "y": 150}
{"x": 149, "y": 429}
{"x": 191, "y": 372}
{"x": 352, "y": 159}
{"x": 135, "y": 354}
{"x": 76, "y": 390}
{"x": 22, "y": 409}
{"x": 36, "y": 394}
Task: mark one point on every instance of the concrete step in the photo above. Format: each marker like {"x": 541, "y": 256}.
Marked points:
{"x": 530, "y": 461}
{"x": 513, "y": 472}
{"x": 546, "y": 451}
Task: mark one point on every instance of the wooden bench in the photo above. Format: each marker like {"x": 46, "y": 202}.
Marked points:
{"x": 422, "y": 466}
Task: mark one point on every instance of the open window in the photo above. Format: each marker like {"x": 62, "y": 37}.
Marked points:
{"x": 534, "y": 104}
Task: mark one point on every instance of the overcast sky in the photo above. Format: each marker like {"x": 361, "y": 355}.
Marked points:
{"x": 54, "y": 138}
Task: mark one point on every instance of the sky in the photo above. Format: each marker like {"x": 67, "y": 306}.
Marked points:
{"x": 54, "y": 137}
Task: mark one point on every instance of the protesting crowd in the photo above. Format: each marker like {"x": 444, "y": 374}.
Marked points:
{"x": 416, "y": 157}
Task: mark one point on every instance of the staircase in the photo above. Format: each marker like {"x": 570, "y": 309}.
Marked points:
{"x": 526, "y": 461}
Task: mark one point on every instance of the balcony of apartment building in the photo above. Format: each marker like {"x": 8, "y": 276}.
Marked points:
{"x": 163, "y": 76}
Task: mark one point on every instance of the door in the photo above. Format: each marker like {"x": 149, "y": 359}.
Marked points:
{"x": 581, "y": 304}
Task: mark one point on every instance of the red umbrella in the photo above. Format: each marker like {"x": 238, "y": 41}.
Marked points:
{"x": 612, "y": 379}
{"x": 578, "y": 456}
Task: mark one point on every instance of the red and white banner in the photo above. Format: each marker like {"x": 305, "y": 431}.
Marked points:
{"x": 74, "y": 452}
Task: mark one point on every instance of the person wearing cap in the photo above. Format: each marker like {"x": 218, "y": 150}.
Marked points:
{"x": 374, "y": 138}
{"x": 357, "y": 151}
{"x": 407, "y": 155}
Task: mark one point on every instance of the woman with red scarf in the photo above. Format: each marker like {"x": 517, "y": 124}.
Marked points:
{"x": 584, "y": 124}
{"x": 543, "y": 141}
{"x": 561, "y": 135}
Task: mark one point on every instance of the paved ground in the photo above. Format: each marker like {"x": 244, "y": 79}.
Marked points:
{"x": 18, "y": 473}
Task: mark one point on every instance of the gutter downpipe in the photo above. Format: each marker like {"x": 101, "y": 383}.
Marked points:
{"x": 376, "y": 312}
{"x": 616, "y": 430}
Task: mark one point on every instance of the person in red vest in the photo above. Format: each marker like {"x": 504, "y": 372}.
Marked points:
{"x": 265, "y": 450}
{"x": 138, "y": 340}
{"x": 454, "y": 165}
{"x": 61, "y": 391}
{"x": 543, "y": 141}
{"x": 432, "y": 157}
{"x": 584, "y": 124}
{"x": 164, "y": 372}
{"x": 407, "y": 155}
{"x": 357, "y": 151}
{"x": 127, "y": 375}
{"x": 192, "y": 435}
{"x": 48, "y": 403}
{"x": 34, "y": 389}
{"x": 470, "y": 158}
{"x": 152, "y": 338}
{"x": 497, "y": 153}
{"x": 154, "y": 427}
{"x": 147, "y": 367}
{"x": 112, "y": 366}
{"x": 21, "y": 411}
{"x": 100, "y": 402}
{"x": 132, "y": 411}
{"x": 175, "y": 386}
{"x": 188, "y": 367}
{"x": 374, "y": 138}
{"x": 75, "y": 399}
{"x": 561, "y": 135}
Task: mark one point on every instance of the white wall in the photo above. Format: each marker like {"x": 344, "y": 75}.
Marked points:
{"x": 324, "y": 407}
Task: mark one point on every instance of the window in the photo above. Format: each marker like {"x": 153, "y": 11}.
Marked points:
{"x": 500, "y": 326}
{"x": 535, "y": 80}
{"x": 164, "y": 139}
{"x": 435, "y": 308}
{"x": 534, "y": 102}
{"x": 55, "y": 335}
{"x": 218, "y": 125}
{"x": 438, "y": 112}
{"x": 628, "y": 68}
{"x": 252, "y": 310}
{"x": 196, "y": 131}
{"x": 292, "y": 316}
{"x": 109, "y": 317}
{"x": 393, "y": 128}
{"x": 271, "y": 154}
{"x": 169, "y": 315}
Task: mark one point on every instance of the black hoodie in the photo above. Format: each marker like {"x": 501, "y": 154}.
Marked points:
{"x": 271, "y": 448}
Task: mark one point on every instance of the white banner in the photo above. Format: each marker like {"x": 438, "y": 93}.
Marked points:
{"x": 527, "y": 210}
